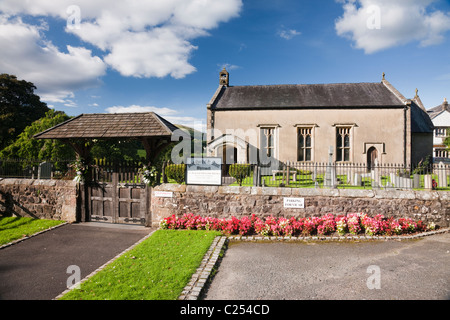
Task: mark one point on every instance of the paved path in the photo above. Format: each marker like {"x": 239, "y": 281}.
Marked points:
{"x": 36, "y": 269}
{"x": 412, "y": 269}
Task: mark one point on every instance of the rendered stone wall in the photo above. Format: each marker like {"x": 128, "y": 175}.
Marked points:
{"x": 45, "y": 199}
{"x": 224, "y": 202}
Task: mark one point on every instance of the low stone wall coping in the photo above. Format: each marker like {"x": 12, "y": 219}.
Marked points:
{"x": 310, "y": 192}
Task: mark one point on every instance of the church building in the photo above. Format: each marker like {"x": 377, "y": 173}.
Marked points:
{"x": 362, "y": 123}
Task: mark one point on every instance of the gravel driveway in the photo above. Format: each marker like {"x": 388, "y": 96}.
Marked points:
{"x": 390, "y": 270}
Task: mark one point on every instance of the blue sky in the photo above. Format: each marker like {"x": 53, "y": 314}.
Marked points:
{"x": 165, "y": 55}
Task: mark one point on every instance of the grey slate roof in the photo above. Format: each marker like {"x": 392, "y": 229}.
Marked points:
{"x": 118, "y": 125}
{"x": 420, "y": 120}
{"x": 306, "y": 96}
{"x": 434, "y": 112}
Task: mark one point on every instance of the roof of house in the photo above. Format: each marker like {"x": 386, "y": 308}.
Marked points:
{"x": 434, "y": 112}
{"x": 307, "y": 96}
{"x": 117, "y": 125}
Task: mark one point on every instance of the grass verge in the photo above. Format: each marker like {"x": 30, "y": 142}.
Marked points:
{"x": 157, "y": 269}
{"x": 14, "y": 228}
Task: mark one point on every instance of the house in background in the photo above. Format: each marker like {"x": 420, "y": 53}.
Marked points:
{"x": 361, "y": 123}
{"x": 440, "y": 115}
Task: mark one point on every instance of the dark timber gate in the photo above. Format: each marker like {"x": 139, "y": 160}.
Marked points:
{"x": 118, "y": 200}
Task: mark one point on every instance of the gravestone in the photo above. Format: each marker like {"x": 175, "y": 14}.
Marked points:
{"x": 330, "y": 174}
{"x": 428, "y": 181}
{"x": 375, "y": 175}
{"x": 416, "y": 181}
{"x": 442, "y": 176}
{"x": 401, "y": 182}
{"x": 357, "y": 180}
{"x": 45, "y": 170}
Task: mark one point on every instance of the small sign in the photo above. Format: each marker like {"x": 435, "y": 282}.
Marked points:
{"x": 204, "y": 171}
{"x": 297, "y": 203}
{"x": 163, "y": 194}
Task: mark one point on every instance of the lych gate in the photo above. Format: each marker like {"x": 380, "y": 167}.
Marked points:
{"x": 115, "y": 200}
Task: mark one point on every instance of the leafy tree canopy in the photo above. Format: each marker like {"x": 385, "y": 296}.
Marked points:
{"x": 19, "y": 107}
{"x": 26, "y": 147}
{"x": 117, "y": 150}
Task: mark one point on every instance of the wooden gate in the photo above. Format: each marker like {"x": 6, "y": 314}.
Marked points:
{"x": 116, "y": 202}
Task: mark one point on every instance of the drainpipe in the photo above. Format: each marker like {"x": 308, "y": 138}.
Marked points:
{"x": 404, "y": 136}
{"x": 406, "y": 132}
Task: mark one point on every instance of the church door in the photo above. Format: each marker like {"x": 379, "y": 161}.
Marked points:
{"x": 372, "y": 156}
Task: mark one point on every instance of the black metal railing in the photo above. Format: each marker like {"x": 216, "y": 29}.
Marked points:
{"x": 288, "y": 174}
{"x": 36, "y": 169}
{"x": 345, "y": 175}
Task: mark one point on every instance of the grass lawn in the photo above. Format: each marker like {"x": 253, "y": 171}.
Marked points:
{"x": 13, "y": 228}
{"x": 157, "y": 269}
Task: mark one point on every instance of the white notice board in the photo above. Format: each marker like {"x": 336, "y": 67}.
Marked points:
{"x": 204, "y": 171}
{"x": 296, "y": 203}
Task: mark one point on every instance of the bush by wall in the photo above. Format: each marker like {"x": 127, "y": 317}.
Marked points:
{"x": 176, "y": 172}
{"x": 240, "y": 172}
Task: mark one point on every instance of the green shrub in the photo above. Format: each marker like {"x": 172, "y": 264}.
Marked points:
{"x": 240, "y": 172}
{"x": 176, "y": 172}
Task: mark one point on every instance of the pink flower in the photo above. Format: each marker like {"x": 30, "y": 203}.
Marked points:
{"x": 245, "y": 226}
{"x": 354, "y": 223}
{"x": 341, "y": 224}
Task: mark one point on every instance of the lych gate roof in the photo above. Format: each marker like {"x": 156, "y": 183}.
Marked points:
{"x": 117, "y": 125}
{"x": 306, "y": 96}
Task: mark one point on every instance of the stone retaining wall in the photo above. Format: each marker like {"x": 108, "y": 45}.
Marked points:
{"x": 57, "y": 199}
{"x": 46, "y": 199}
{"x": 225, "y": 201}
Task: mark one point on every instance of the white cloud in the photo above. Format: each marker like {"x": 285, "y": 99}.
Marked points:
{"x": 228, "y": 66}
{"x": 26, "y": 54}
{"x": 135, "y": 108}
{"x": 155, "y": 53}
{"x": 170, "y": 115}
{"x": 138, "y": 38}
{"x": 288, "y": 34}
{"x": 375, "y": 25}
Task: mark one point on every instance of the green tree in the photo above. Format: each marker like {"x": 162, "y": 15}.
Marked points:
{"x": 19, "y": 107}
{"x": 447, "y": 139}
{"x": 117, "y": 150}
{"x": 240, "y": 172}
{"x": 26, "y": 147}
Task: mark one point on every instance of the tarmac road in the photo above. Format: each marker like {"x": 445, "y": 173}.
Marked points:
{"x": 36, "y": 268}
{"x": 378, "y": 270}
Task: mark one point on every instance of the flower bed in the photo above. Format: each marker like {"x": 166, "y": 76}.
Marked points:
{"x": 355, "y": 223}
